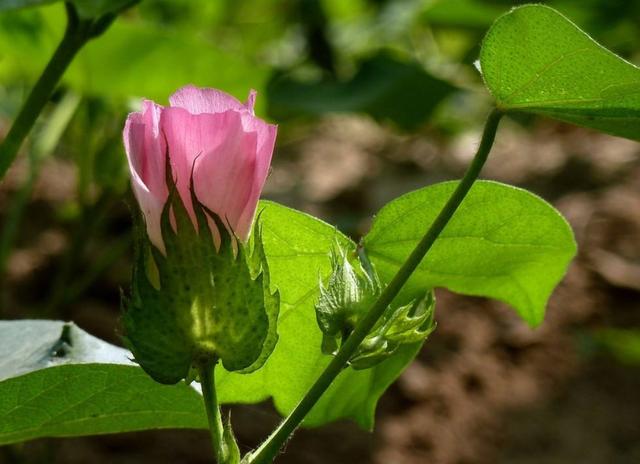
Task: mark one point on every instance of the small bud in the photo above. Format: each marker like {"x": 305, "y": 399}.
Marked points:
{"x": 349, "y": 294}
{"x": 403, "y": 325}
{"x": 232, "y": 452}
{"x": 346, "y": 297}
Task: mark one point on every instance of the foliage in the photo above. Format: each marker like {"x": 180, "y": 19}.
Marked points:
{"x": 58, "y": 381}
{"x": 297, "y": 247}
{"x": 502, "y": 243}
{"x": 534, "y": 59}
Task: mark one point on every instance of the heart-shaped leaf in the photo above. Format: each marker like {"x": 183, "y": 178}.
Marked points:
{"x": 503, "y": 243}
{"x": 534, "y": 59}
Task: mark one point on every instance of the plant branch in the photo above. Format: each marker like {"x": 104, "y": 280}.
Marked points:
{"x": 77, "y": 33}
{"x": 267, "y": 452}
{"x": 216, "y": 427}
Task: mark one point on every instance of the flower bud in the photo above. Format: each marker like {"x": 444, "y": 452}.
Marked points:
{"x": 200, "y": 287}
{"x": 349, "y": 294}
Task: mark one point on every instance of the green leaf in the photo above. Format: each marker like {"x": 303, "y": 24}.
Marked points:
{"x": 58, "y": 381}
{"x": 503, "y": 243}
{"x": 385, "y": 87}
{"x": 298, "y": 250}
{"x": 533, "y": 59}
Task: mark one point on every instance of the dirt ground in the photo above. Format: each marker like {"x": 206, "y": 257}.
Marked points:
{"x": 485, "y": 388}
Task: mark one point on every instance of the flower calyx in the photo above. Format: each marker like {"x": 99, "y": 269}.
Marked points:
{"x": 206, "y": 297}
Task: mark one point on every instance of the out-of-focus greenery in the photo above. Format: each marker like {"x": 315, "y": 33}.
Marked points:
{"x": 307, "y": 57}
{"x": 622, "y": 344}
{"x": 406, "y": 63}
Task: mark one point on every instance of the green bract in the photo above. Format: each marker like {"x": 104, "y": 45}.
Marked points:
{"x": 345, "y": 300}
{"x": 534, "y": 59}
{"x": 204, "y": 303}
{"x": 400, "y": 325}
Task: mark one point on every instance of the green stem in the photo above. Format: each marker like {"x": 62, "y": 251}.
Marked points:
{"x": 267, "y": 452}
{"x": 216, "y": 427}
{"x": 78, "y": 32}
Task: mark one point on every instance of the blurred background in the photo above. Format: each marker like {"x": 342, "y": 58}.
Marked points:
{"x": 373, "y": 98}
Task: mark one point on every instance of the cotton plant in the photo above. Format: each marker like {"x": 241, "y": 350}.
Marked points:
{"x": 200, "y": 291}
{"x": 234, "y": 299}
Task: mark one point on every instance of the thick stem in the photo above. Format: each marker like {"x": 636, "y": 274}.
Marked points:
{"x": 77, "y": 33}
{"x": 216, "y": 427}
{"x": 270, "y": 448}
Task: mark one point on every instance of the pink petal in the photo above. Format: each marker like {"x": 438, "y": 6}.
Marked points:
{"x": 224, "y": 182}
{"x": 251, "y": 101}
{"x": 144, "y": 151}
{"x": 154, "y": 149}
{"x": 266, "y": 139}
{"x": 225, "y": 153}
{"x": 204, "y": 100}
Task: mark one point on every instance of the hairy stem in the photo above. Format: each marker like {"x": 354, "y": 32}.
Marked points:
{"x": 270, "y": 448}
{"x": 216, "y": 427}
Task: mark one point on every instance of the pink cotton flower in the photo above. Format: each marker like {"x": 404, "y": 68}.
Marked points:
{"x": 230, "y": 146}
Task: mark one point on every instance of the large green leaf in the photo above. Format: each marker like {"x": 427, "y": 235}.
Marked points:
{"x": 503, "y": 242}
{"x": 58, "y": 381}
{"x": 534, "y": 59}
{"x": 298, "y": 250}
